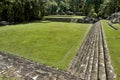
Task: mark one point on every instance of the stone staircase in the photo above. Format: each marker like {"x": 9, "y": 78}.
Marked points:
{"x": 92, "y": 62}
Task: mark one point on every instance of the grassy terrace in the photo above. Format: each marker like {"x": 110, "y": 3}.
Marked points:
{"x": 51, "y": 43}
{"x": 117, "y": 25}
{"x": 113, "y": 40}
{"x": 0, "y": 77}
{"x": 63, "y": 16}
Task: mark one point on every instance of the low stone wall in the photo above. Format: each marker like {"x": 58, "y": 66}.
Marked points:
{"x": 4, "y": 23}
{"x": 92, "y": 62}
{"x": 59, "y": 19}
{"x": 110, "y": 24}
{"x": 29, "y": 70}
{"x": 76, "y": 20}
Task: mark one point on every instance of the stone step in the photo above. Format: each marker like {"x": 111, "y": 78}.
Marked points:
{"x": 80, "y": 55}
{"x": 28, "y": 70}
{"x": 81, "y": 58}
{"x": 101, "y": 63}
{"x": 89, "y": 67}
{"x": 93, "y": 61}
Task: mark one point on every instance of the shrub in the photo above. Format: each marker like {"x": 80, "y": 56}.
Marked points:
{"x": 94, "y": 14}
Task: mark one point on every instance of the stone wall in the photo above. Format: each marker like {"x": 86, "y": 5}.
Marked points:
{"x": 29, "y": 70}
{"x": 76, "y": 20}
{"x": 115, "y": 17}
{"x": 111, "y": 25}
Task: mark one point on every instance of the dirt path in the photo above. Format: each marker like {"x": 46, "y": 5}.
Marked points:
{"x": 93, "y": 61}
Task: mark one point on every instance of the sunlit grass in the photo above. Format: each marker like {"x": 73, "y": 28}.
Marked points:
{"x": 51, "y": 43}
{"x": 63, "y": 16}
{"x": 117, "y": 25}
{"x": 0, "y": 77}
{"x": 113, "y": 41}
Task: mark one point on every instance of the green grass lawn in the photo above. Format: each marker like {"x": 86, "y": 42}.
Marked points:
{"x": 63, "y": 16}
{"x": 0, "y": 77}
{"x": 113, "y": 41}
{"x": 51, "y": 43}
{"x": 117, "y": 25}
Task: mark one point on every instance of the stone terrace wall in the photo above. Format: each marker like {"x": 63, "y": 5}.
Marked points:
{"x": 59, "y": 19}
{"x": 76, "y": 20}
{"x": 30, "y": 70}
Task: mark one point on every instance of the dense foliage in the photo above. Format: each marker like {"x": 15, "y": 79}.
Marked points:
{"x": 21, "y": 10}
{"x": 94, "y": 8}
{"x": 26, "y": 10}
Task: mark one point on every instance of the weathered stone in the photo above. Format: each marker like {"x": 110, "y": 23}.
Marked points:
{"x": 30, "y": 70}
{"x": 3, "y": 23}
{"x": 79, "y": 13}
{"x": 77, "y": 20}
{"x": 115, "y": 20}
{"x": 88, "y": 20}
{"x": 92, "y": 61}
{"x": 115, "y": 17}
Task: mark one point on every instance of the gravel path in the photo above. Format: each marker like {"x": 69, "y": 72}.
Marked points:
{"x": 92, "y": 62}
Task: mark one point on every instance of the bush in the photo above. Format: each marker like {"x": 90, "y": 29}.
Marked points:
{"x": 94, "y": 14}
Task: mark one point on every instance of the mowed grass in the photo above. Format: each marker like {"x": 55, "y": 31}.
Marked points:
{"x": 117, "y": 25}
{"x": 113, "y": 41}
{"x": 51, "y": 43}
{"x": 63, "y": 16}
{"x": 0, "y": 77}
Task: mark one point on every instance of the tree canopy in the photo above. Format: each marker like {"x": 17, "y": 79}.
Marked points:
{"x": 27, "y": 10}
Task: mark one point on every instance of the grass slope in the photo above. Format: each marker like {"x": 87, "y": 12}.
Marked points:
{"x": 63, "y": 16}
{"x": 0, "y": 77}
{"x": 117, "y": 25}
{"x": 51, "y": 43}
{"x": 113, "y": 40}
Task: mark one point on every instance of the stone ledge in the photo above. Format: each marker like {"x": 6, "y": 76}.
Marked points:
{"x": 29, "y": 70}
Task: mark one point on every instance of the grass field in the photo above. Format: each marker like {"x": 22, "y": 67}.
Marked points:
{"x": 0, "y": 77}
{"x": 51, "y": 43}
{"x": 117, "y": 25}
{"x": 63, "y": 16}
{"x": 113, "y": 40}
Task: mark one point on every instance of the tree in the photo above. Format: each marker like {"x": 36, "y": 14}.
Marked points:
{"x": 21, "y": 10}
{"x": 62, "y": 6}
{"x": 108, "y": 7}
{"x": 92, "y": 5}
